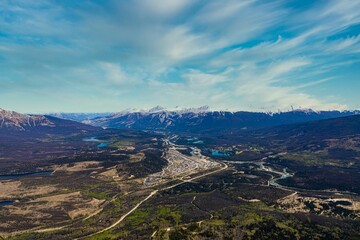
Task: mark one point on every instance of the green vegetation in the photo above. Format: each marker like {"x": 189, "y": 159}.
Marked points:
{"x": 122, "y": 143}
{"x": 100, "y": 195}
{"x": 236, "y": 203}
{"x": 137, "y": 218}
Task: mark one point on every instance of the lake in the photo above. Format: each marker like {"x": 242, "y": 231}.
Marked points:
{"x": 94, "y": 139}
{"x": 219, "y": 154}
{"x": 91, "y": 139}
{"x": 3, "y": 203}
{"x": 9, "y": 176}
{"x": 104, "y": 144}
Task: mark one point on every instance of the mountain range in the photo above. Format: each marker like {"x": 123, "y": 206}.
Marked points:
{"x": 158, "y": 118}
{"x": 203, "y": 120}
{"x": 11, "y": 121}
{"x": 18, "y": 121}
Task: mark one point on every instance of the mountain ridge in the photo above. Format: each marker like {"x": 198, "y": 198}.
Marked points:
{"x": 188, "y": 119}
{"x": 38, "y": 124}
{"x": 18, "y": 121}
{"x": 209, "y": 120}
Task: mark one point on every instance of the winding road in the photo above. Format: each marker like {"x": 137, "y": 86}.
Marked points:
{"x": 123, "y": 217}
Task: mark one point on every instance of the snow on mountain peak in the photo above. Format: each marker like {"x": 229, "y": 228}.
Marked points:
{"x": 156, "y": 109}
{"x": 14, "y": 120}
{"x": 202, "y": 109}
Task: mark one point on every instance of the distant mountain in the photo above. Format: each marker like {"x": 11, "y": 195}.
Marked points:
{"x": 79, "y": 117}
{"x": 40, "y": 124}
{"x": 17, "y": 121}
{"x": 334, "y": 128}
{"x": 202, "y": 119}
{"x": 323, "y": 154}
{"x": 156, "y": 109}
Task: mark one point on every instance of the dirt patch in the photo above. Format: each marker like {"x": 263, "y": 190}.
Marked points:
{"x": 137, "y": 157}
{"x": 110, "y": 174}
{"x": 86, "y": 208}
{"x": 355, "y": 205}
{"x": 79, "y": 166}
{"x": 79, "y": 205}
{"x": 344, "y": 207}
{"x": 31, "y": 211}
{"x": 7, "y": 189}
{"x": 42, "y": 210}
{"x": 13, "y": 189}
{"x": 249, "y": 200}
{"x": 66, "y": 197}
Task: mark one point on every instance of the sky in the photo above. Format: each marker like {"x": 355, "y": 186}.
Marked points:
{"x": 110, "y": 55}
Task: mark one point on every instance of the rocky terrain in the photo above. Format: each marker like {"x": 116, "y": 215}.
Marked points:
{"x": 200, "y": 119}
{"x": 18, "y": 121}
{"x": 69, "y": 180}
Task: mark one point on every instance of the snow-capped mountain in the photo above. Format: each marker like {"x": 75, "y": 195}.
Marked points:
{"x": 157, "y": 109}
{"x": 79, "y": 117}
{"x": 201, "y": 119}
{"x": 18, "y": 121}
{"x": 39, "y": 124}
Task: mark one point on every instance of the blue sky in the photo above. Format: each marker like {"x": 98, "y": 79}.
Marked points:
{"x": 97, "y": 56}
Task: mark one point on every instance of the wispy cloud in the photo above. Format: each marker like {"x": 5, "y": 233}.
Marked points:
{"x": 227, "y": 54}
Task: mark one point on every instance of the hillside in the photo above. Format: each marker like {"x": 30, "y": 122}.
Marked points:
{"x": 33, "y": 125}
{"x": 17, "y": 121}
{"x": 328, "y": 128}
{"x": 30, "y": 141}
{"x": 182, "y": 121}
{"x": 324, "y": 154}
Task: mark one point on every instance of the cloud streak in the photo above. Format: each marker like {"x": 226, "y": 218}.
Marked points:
{"x": 248, "y": 55}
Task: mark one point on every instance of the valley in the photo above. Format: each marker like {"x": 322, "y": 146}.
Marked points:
{"x": 179, "y": 120}
{"x": 91, "y": 183}
{"x": 179, "y": 165}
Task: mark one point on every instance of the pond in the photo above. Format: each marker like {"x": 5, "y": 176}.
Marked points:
{"x": 94, "y": 139}
{"x": 219, "y": 154}
{"x": 194, "y": 140}
{"x": 104, "y": 144}
{"x": 3, "y": 203}
{"x": 9, "y": 176}
{"x": 91, "y": 139}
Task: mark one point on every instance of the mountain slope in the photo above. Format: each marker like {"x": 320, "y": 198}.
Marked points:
{"x": 79, "y": 117}
{"x": 17, "y": 121}
{"x": 24, "y": 124}
{"x": 209, "y": 121}
{"x": 324, "y": 154}
{"x": 336, "y": 128}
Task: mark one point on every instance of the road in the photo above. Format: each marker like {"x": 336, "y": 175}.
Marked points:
{"x": 123, "y": 217}
{"x": 284, "y": 174}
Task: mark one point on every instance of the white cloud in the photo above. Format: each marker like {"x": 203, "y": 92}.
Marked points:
{"x": 164, "y": 8}
{"x": 114, "y": 73}
{"x": 279, "y": 69}
{"x": 205, "y": 80}
{"x": 224, "y": 53}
